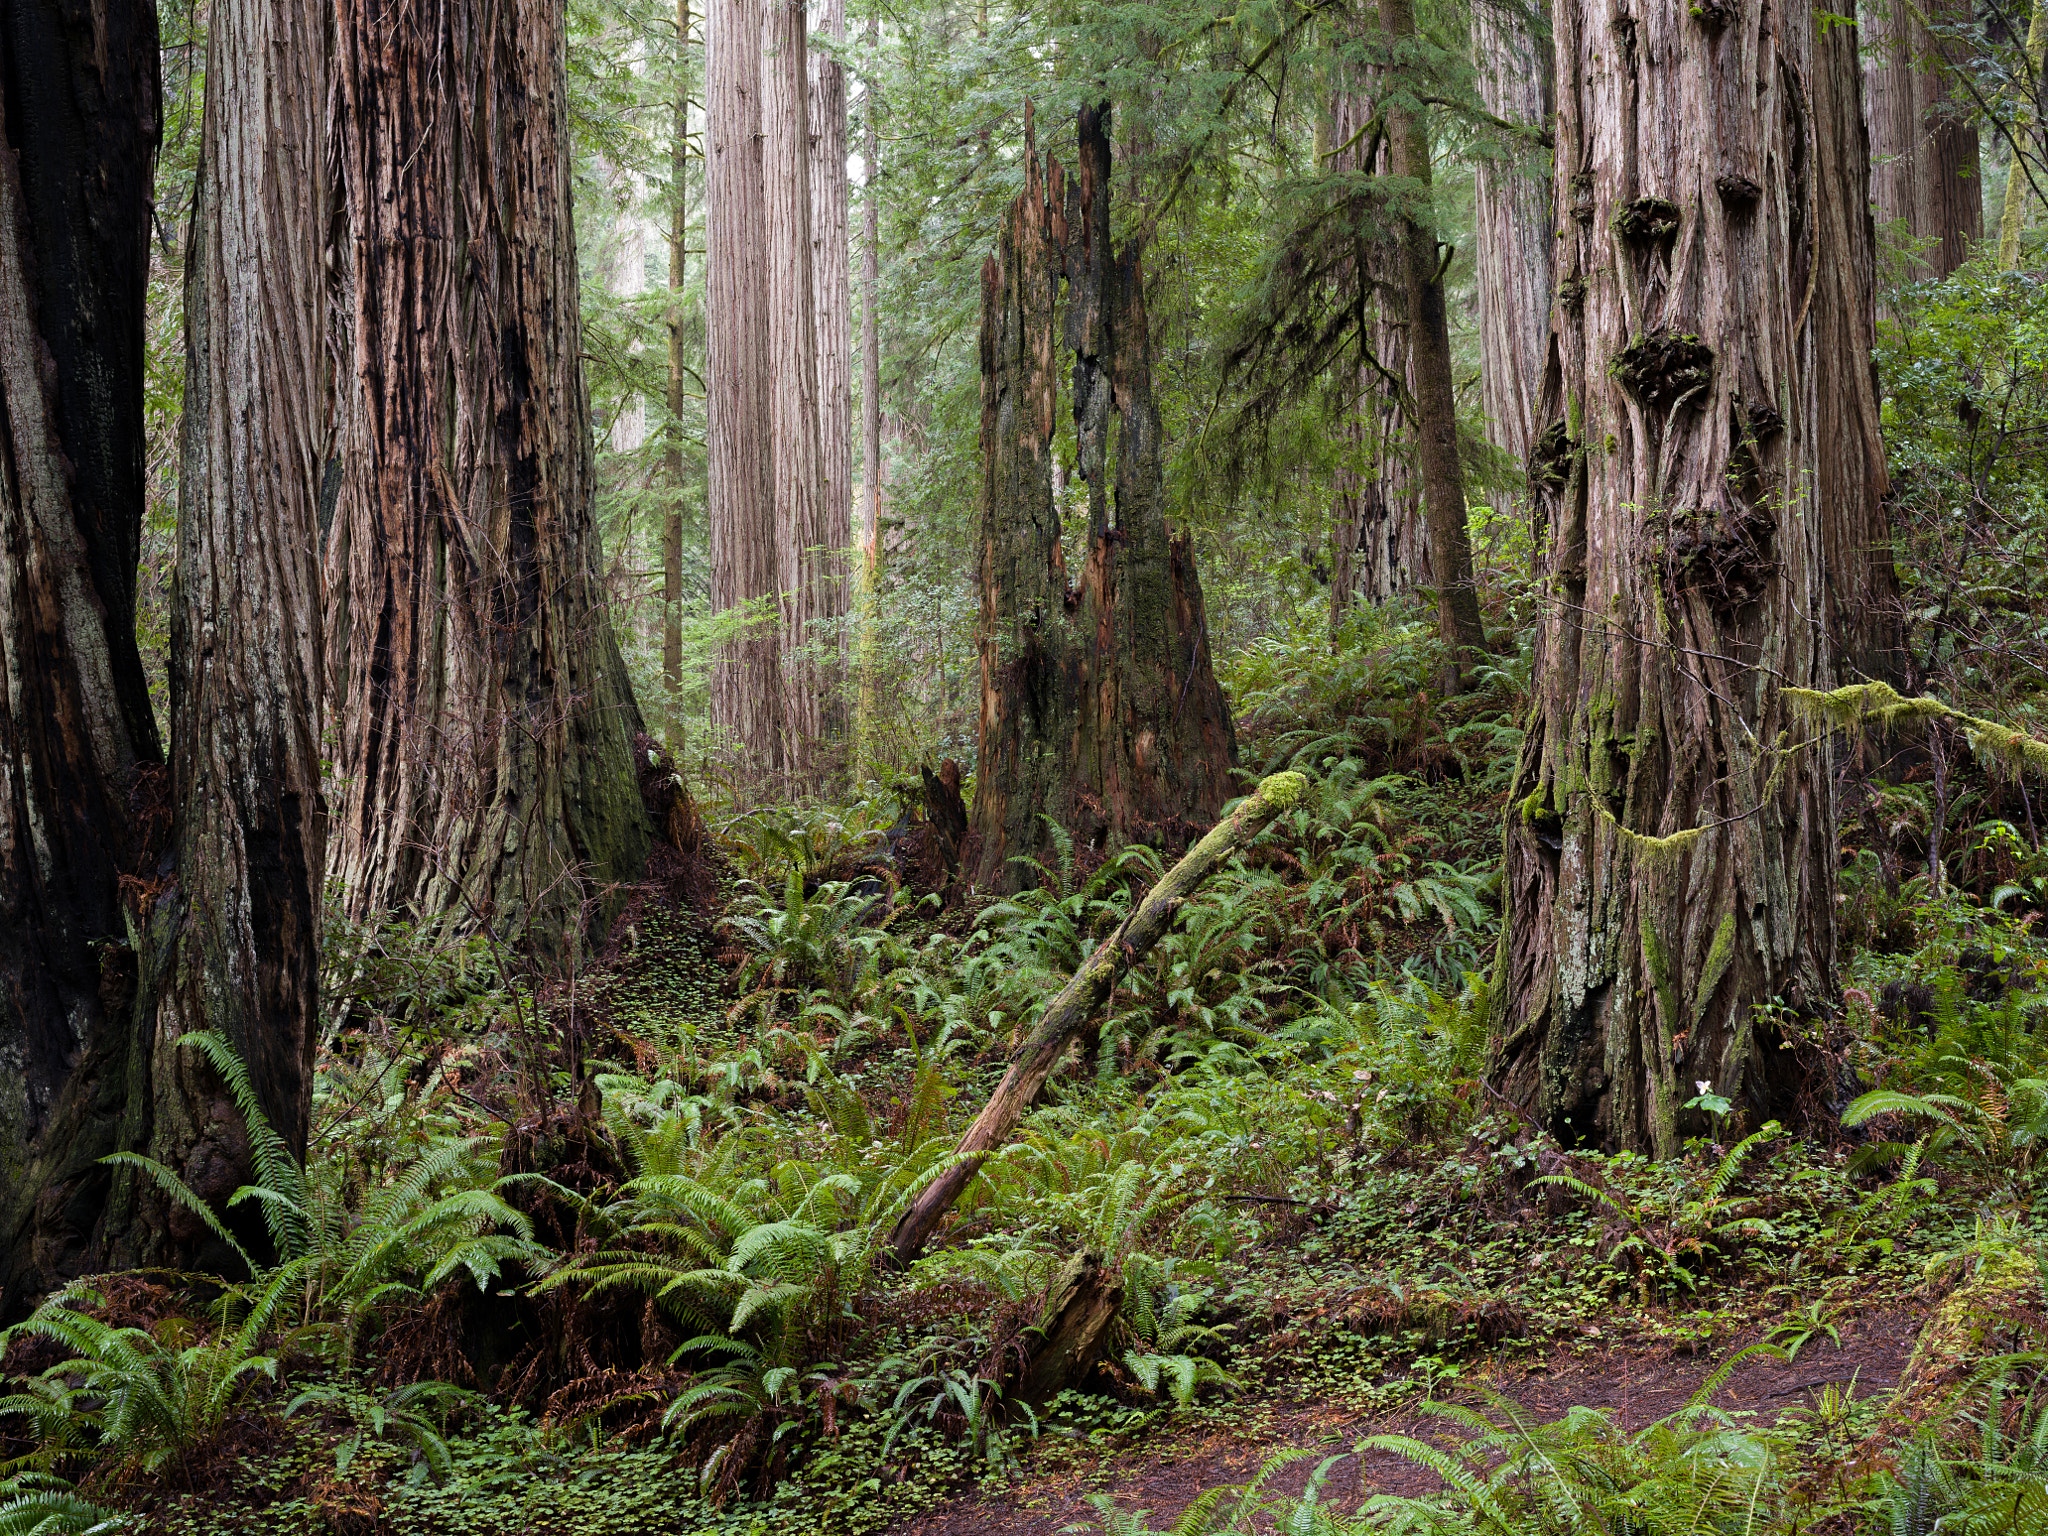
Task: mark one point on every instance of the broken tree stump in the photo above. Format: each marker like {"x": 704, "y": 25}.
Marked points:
{"x": 1074, "y": 1328}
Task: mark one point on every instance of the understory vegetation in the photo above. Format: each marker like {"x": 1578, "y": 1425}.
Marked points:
{"x": 606, "y": 1251}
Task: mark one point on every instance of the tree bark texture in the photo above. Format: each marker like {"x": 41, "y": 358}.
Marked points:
{"x": 1086, "y": 992}
{"x": 678, "y": 386}
{"x": 1099, "y": 702}
{"x": 485, "y": 722}
{"x": 1923, "y": 141}
{"x": 831, "y": 260}
{"x": 234, "y": 937}
{"x": 870, "y": 392}
{"x": 1429, "y": 361}
{"x": 797, "y": 465}
{"x": 1865, "y": 611}
{"x": 1670, "y": 846}
{"x": 1513, "y": 228}
{"x": 81, "y": 803}
{"x": 1380, "y": 541}
{"x": 746, "y": 682}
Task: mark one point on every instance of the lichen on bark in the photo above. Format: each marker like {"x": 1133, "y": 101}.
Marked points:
{"x": 1670, "y": 853}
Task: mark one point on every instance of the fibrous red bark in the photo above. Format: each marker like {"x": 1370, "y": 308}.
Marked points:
{"x": 484, "y": 722}
{"x": 1513, "y": 230}
{"x": 234, "y": 934}
{"x": 746, "y": 679}
{"x": 1924, "y": 179}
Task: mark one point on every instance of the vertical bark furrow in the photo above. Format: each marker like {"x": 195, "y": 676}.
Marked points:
{"x": 1669, "y": 848}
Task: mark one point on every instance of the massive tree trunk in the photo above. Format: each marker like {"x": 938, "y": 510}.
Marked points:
{"x": 1380, "y": 540}
{"x": 81, "y": 805}
{"x": 793, "y": 382}
{"x": 1429, "y": 362}
{"x": 830, "y": 258}
{"x": 1923, "y": 142}
{"x": 1099, "y": 704}
{"x": 485, "y": 724}
{"x": 233, "y": 936}
{"x": 1513, "y": 228}
{"x": 746, "y": 683}
{"x": 1670, "y": 848}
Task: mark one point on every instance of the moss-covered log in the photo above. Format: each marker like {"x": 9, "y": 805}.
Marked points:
{"x": 1032, "y": 1062}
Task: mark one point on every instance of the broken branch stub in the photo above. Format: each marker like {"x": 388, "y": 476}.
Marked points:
{"x": 1065, "y": 1015}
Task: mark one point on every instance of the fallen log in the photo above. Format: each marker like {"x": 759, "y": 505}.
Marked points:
{"x": 1065, "y": 1015}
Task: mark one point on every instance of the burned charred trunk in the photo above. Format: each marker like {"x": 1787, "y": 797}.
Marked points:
{"x": 81, "y": 797}
{"x": 1100, "y": 706}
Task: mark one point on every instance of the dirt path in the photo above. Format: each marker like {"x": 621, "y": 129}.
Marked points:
{"x": 1167, "y": 1476}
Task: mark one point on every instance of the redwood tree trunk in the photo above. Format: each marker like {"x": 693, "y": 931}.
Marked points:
{"x": 1380, "y": 540}
{"x": 1923, "y": 141}
{"x": 678, "y": 385}
{"x": 1099, "y": 704}
{"x": 1670, "y": 850}
{"x": 485, "y": 723}
{"x": 1429, "y": 350}
{"x": 793, "y": 382}
{"x": 80, "y": 803}
{"x": 746, "y": 682}
{"x": 233, "y": 939}
{"x": 831, "y": 256}
{"x": 1513, "y": 229}
{"x": 870, "y": 389}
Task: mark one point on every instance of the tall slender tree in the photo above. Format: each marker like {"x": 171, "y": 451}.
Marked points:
{"x": 1513, "y": 231}
{"x": 1923, "y": 138}
{"x": 1429, "y": 352}
{"x": 793, "y": 415}
{"x": 746, "y": 682}
{"x": 678, "y": 380}
{"x": 1380, "y": 543}
{"x": 870, "y": 376}
{"x": 81, "y": 799}
{"x": 1670, "y": 853}
{"x": 484, "y": 722}
{"x": 831, "y": 257}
